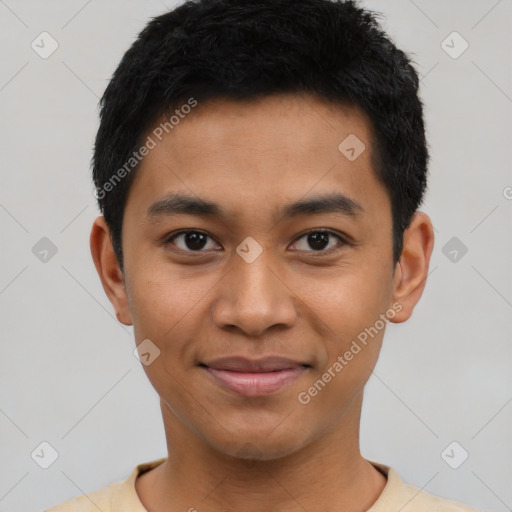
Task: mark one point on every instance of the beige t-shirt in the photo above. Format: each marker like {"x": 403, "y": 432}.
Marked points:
{"x": 396, "y": 496}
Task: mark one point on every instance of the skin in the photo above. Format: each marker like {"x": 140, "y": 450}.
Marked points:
{"x": 268, "y": 453}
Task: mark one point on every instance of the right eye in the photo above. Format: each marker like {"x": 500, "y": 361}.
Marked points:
{"x": 190, "y": 241}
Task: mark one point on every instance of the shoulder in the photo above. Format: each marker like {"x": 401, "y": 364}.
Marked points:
{"x": 421, "y": 501}
{"x": 398, "y": 495}
{"x": 118, "y": 496}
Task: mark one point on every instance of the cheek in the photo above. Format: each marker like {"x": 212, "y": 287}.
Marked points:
{"x": 163, "y": 302}
{"x": 169, "y": 310}
{"x": 351, "y": 350}
{"x": 351, "y": 308}
{"x": 348, "y": 301}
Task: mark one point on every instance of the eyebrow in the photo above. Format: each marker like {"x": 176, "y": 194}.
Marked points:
{"x": 179, "y": 204}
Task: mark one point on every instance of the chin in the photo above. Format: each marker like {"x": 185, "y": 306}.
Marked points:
{"x": 258, "y": 443}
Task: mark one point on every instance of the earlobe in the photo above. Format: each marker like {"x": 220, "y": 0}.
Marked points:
{"x": 412, "y": 270}
{"x": 109, "y": 270}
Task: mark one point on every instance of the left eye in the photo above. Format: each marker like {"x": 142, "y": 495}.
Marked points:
{"x": 319, "y": 240}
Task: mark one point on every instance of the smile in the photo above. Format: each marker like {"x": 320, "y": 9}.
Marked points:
{"x": 254, "y": 379}
{"x": 256, "y": 383}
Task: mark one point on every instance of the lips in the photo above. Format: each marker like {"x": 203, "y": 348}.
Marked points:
{"x": 241, "y": 364}
{"x": 249, "y": 377}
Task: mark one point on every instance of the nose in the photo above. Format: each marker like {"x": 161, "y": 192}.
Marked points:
{"x": 254, "y": 297}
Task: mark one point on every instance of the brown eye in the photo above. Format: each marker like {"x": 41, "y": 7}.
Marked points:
{"x": 194, "y": 241}
{"x": 319, "y": 240}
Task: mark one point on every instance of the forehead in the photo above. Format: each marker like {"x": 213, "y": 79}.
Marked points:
{"x": 296, "y": 124}
{"x": 253, "y": 154}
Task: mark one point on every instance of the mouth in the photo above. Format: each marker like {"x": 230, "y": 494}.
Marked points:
{"x": 253, "y": 378}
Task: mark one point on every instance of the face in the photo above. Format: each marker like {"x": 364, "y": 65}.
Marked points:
{"x": 258, "y": 262}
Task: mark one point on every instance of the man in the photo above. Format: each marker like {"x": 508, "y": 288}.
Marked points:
{"x": 259, "y": 166}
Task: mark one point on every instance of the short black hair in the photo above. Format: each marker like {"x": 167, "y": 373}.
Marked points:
{"x": 244, "y": 50}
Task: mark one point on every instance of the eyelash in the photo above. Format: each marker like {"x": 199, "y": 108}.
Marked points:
{"x": 169, "y": 239}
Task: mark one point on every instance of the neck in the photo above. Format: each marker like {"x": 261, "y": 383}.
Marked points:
{"x": 328, "y": 472}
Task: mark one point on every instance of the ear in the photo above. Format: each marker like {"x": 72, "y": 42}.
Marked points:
{"x": 109, "y": 270}
{"x": 412, "y": 269}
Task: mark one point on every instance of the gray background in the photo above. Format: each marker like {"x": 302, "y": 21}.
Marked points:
{"x": 67, "y": 372}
